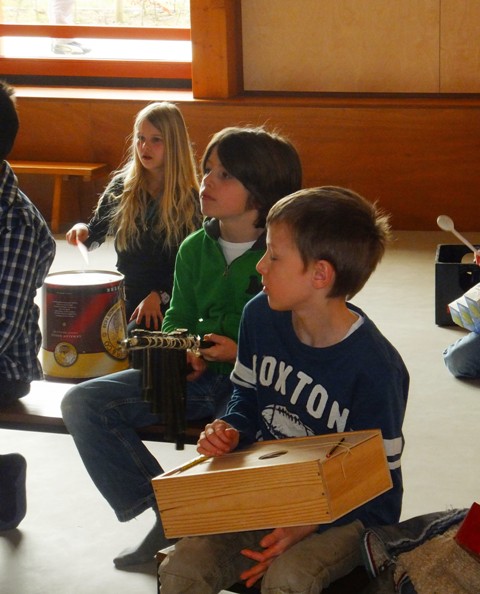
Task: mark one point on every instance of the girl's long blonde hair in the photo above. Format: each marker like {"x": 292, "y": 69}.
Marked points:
{"x": 178, "y": 211}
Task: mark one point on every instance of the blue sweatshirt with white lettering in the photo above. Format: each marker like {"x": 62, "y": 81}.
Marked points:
{"x": 285, "y": 388}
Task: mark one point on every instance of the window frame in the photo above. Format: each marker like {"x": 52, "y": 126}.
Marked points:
{"x": 88, "y": 67}
{"x": 217, "y": 60}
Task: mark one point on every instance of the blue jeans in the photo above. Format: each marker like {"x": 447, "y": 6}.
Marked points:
{"x": 102, "y": 416}
{"x": 462, "y": 358}
{"x": 382, "y": 547}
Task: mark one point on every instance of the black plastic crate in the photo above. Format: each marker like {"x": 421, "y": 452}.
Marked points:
{"x": 452, "y": 279}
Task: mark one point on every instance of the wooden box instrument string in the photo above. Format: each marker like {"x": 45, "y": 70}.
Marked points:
{"x": 164, "y": 375}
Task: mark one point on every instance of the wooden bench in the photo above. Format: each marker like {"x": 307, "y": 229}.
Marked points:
{"x": 59, "y": 171}
{"x": 40, "y": 411}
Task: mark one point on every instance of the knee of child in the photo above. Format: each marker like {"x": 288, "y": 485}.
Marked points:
{"x": 460, "y": 365}
{"x": 462, "y": 358}
{"x": 73, "y": 404}
{"x": 315, "y": 562}
{"x": 190, "y": 563}
{"x": 293, "y": 574}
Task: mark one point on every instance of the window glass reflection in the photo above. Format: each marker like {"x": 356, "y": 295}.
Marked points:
{"x": 131, "y": 13}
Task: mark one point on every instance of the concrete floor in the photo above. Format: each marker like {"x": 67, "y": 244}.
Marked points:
{"x": 69, "y": 537}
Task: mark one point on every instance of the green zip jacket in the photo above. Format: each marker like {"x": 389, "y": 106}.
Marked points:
{"x": 209, "y": 294}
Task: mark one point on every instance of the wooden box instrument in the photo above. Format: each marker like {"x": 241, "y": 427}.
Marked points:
{"x": 287, "y": 482}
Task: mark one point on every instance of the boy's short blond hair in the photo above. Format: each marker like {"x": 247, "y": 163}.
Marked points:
{"x": 337, "y": 225}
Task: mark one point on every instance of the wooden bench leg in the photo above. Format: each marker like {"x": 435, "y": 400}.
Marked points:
{"x": 57, "y": 199}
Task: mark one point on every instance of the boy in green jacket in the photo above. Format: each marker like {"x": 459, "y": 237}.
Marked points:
{"x": 245, "y": 171}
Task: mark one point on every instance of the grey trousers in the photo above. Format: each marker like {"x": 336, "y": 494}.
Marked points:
{"x": 208, "y": 564}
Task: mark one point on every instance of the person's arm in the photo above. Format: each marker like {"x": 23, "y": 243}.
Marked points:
{"x": 99, "y": 224}
{"x": 149, "y": 311}
{"x": 217, "y": 438}
{"x": 221, "y": 348}
{"x": 242, "y": 410}
{"x": 274, "y": 544}
{"x": 23, "y": 266}
{"x": 380, "y": 403}
{"x": 77, "y": 234}
{"x": 183, "y": 310}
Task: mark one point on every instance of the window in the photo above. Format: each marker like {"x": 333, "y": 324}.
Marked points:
{"x": 109, "y": 41}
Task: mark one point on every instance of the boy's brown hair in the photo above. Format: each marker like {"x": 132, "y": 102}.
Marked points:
{"x": 265, "y": 162}
{"x": 339, "y": 226}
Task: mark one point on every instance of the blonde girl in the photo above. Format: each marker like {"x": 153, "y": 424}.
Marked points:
{"x": 149, "y": 206}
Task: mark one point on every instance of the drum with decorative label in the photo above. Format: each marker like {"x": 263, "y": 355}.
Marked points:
{"x": 83, "y": 325}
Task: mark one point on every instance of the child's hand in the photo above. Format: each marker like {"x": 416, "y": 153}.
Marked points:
{"x": 218, "y": 438}
{"x": 149, "y": 310}
{"x": 78, "y": 232}
{"x": 195, "y": 365}
{"x": 224, "y": 349}
{"x": 275, "y": 543}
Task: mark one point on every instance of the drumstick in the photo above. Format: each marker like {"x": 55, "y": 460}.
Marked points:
{"x": 191, "y": 464}
{"x": 83, "y": 250}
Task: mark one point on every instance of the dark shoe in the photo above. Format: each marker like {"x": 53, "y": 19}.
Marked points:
{"x": 12, "y": 391}
{"x": 13, "y": 495}
{"x": 69, "y": 47}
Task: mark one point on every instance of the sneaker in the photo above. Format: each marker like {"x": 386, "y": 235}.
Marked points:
{"x": 69, "y": 47}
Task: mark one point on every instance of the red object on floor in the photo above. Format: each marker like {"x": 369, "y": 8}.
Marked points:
{"x": 468, "y": 535}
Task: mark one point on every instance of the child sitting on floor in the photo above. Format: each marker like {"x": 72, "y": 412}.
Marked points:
{"x": 308, "y": 363}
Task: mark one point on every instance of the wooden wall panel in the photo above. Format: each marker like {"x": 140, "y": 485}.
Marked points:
{"x": 460, "y": 46}
{"x": 58, "y": 131}
{"x": 53, "y": 126}
{"x": 113, "y": 119}
{"x": 417, "y": 158}
{"x": 341, "y": 45}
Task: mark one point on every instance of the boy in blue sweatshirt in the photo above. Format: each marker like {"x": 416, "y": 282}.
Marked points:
{"x": 309, "y": 363}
